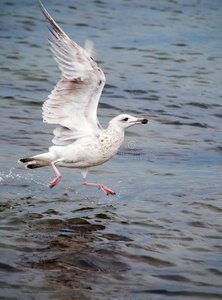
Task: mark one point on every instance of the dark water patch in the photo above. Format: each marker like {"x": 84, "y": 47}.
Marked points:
{"x": 158, "y": 112}
{"x": 173, "y": 106}
{"x": 81, "y": 25}
{"x": 151, "y": 224}
{"x": 70, "y": 261}
{"x": 67, "y": 280}
{"x": 173, "y": 277}
{"x": 193, "y": 294}
{"x": 154, "y": 247}
{"x": 35, "y": 46}
{"x": 49, "y": 223}
{"x": 179, "y": 123}
{"x": 102, "y": 216}
{"x": 215, "y": 271}
{"x": 27, "y": 22}
{"x": 162, "y": 58}
{"x": 194, "y": 53}
{"x": 219, "y": 149}
{"x": 150, "y": 98}
{"x": 8, "y": 268}
{"x": 72, "y": 7}
{"x": 198, "y": 249}
{"x": 200, "y": 105}
{"x": 208, "y": 207}
{"x": 172, "y": 96}
{"x": 13, "y": 57}
{"x": 216, "y": 237}
{"x": 5, "y": 206}
{"x": 78, "y": 221}
{"x": 136, "y": 92}
{"x": 115, "y": 96}
{"x": 156, "y": 262}
{"x": 180, "y": 45}
{"x": 85, "y": 209}
{"x": 116, "y": 237}
{"x": 30, "y": 103}
{"x": 136, "y": 154}
{"x": 132, "y": 49}
{"x": 212, "y": 58}
{"x": 211, "y": 207}
{"x": 9, "y": 98}
{"x": 73, "y": 225}
{"x": 104, "y": 261}
{"x": 9, "y": 3}
{"x": 107, "y": 106}
{"x": 65, "y": 242}
{"x": 137, "y": 65}
{"x": 16, "y": 221}
{"x": 198, "y": 224}
{"x": 110, "y": 86}
{"x": 181, "y": 76}
{"x": 117, "y": 48}
{"x": 51, "y": 212}
{"x": 81, "y": 225}
{"x": 66, "y": 231}
{"x": 31, "y": 216}
{"x": 166, "y": 236}
{"x": 218, "y": 115}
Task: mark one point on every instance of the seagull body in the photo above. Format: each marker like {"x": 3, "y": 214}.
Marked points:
{"x": 80, "y": 141}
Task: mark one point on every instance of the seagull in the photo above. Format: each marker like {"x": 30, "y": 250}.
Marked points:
{"x": 79, "y": 139}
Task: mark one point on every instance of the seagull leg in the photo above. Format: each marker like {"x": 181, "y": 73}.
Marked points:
{"x": 102, "y": 187}
{"x": 58, "y": 175}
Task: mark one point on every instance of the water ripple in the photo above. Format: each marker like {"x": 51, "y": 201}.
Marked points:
{"x": 160, "y": 236}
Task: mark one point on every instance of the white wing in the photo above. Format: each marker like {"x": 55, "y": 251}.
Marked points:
{"x": 73, "y": 102}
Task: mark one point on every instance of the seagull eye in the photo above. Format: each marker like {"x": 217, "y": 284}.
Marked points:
{"x": 126, "y": 119}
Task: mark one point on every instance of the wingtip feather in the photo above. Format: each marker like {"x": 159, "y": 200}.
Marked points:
{"x": 51, "y": 21}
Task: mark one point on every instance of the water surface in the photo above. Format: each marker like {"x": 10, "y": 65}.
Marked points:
{"x": 160, "y": 236}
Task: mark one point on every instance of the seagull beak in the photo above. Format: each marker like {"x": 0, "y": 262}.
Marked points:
{"x": 141, "y": 121}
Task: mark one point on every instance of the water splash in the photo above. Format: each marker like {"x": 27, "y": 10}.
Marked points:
{"x": 12, "y": 177}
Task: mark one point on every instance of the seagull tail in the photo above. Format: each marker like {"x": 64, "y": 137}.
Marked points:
{"x": 37, "y": 161}
{"x": 25, "y": 160}
{"x": 31, "y": 165}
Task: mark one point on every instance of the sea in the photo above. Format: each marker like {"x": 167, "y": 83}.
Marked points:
{"x": 160, "y": 236}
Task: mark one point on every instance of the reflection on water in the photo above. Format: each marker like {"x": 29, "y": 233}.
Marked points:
{"x": 161, "y": 234}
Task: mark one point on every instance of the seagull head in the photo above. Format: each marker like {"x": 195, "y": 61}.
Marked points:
{"x": 125, "y": 121}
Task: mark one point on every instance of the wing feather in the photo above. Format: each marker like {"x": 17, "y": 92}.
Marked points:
{"x": 73, "y": 102}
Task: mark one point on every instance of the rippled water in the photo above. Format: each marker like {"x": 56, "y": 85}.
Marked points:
{"x": 160, "y": 236}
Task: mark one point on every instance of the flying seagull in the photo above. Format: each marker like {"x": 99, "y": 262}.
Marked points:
{"x": 79, "y": 139}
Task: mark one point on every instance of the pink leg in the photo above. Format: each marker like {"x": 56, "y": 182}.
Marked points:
{"x": 99, "y": 186}
{"x": 58, "y": 175}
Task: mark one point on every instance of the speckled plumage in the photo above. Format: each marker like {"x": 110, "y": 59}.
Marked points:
{"x": 80, "y": 141}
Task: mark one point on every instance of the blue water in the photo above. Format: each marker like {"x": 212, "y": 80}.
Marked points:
{"x": 160, "y": 235}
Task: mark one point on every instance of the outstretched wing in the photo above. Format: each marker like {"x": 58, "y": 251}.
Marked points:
{"x": 73, "y": 102}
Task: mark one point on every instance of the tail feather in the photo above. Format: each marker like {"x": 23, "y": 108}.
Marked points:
{"x": 25, "y": 160}
{"x": 33, "y": 166}
{"x": 38, "y": 161}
